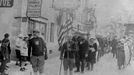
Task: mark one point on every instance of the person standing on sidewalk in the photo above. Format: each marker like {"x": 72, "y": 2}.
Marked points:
{"x": 39, "y": 53}
{"x": 29, "y": 50}
{"x": 18, "y": 47}
{"x": 5, "y": 49}
{"x": 68, "y": 55}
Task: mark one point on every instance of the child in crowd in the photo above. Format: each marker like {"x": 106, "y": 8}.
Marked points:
{"x": 18, "y": 45}
{"x": 24, "y": 53}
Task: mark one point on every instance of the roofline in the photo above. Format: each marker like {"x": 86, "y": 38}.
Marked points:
{"x": 30, "y": 17}
{"x": 128, "y": 24}
{"x": 38, "y": 21}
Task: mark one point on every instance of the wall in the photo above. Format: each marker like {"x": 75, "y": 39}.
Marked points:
{"x": 8, "y": 24}
{"x": 50, "y": 13}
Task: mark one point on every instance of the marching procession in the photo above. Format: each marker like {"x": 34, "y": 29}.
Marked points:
{"x": 77, "y": 53}
{"x": 66, "y": 37}
{"x": 82, "y": 53}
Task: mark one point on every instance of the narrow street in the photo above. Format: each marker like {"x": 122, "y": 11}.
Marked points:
{"x": 106, "y": 66}
{"x": 45, "y": 27}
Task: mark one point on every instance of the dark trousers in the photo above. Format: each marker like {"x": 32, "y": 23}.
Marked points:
{"x": 29, "y": 53}
{"x": 114, "y": 52}
{"x": 23, "y": 59}
{"x": 18, "y": 56}
{"x": 90, "y": 65}
{"x": 80, "y": 63}
{"x": 99, "y": 55}
{"x": 3, "y": 65}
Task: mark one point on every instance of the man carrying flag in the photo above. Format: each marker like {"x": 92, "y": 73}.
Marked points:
{"x": 68, "y": 56}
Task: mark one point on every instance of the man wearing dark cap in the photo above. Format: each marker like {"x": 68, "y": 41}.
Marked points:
{"x": 38, "y": 51}
{"x": 83, "y": 47}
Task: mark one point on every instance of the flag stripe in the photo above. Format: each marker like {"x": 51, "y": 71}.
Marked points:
{"x": 61, "y": 39}
{"x": 64, "y": 33}
{"x": 63, "y": 29}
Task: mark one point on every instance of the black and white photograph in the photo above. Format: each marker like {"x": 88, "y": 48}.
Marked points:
{"x": 66, "y": 37}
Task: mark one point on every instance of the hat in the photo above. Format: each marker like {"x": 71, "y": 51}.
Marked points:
{"x": 6, "y": 35}
{"x": 36, "y": 31}
{"x": 29, "y": 35}
{"x": 20, "y": 35}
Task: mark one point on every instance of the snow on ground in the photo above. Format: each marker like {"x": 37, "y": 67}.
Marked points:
{"x": 106, "y": 66}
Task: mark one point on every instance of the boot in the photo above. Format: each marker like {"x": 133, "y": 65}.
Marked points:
{"x": 119, "y": 67}
{"x": 65, "y": 72}
{"x": 41, "y": 74}
{"x": 35, "y": 73}
{"x": 70, "y": 72}
{"x": 77, "y": 70}
{"x": 92, "y": 66}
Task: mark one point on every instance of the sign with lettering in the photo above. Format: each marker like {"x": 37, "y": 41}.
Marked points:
{"x": 6, "y": 3}
{"x": 34, "y": 8}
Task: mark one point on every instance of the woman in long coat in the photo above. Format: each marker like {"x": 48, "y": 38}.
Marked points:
{"x": 120, "y": 55}
{"x": 91, "y": 58}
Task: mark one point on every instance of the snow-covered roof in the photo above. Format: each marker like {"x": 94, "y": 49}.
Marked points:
{"x": 40, "y": 19}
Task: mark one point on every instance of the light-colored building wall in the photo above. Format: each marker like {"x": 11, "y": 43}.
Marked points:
{"x": 14, "y": 26}
{"x": 46, "y": 12}
{"x": 7, "y": 22}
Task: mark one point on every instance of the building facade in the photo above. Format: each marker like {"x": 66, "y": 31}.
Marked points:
{"x": 17, "y": 22}
{"x": 44, "y": 23}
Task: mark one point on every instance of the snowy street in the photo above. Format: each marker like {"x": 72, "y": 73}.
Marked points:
{"x": 106, "y": 66}
{"x": 68, "y": 29}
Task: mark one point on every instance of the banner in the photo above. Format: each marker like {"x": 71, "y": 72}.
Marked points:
{"x": 34, "y": 8}
{"x": 6, "y": 3}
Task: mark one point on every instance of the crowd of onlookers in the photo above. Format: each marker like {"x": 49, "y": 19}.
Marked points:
{"x": 29, "y": 49}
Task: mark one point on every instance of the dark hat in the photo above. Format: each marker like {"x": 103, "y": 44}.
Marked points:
{"x": 36, "y": 31}
{"x": 6, "y": 35}
{"x": 29, "y": 35}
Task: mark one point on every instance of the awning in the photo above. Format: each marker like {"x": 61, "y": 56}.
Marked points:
{"x": 40, "y": 19}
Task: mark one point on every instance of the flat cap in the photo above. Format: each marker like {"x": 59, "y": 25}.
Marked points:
{"x": 36, "y": 31}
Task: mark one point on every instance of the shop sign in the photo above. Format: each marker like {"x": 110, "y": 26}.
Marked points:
{"x": 6, "y": 3}
{"x": 34, "y": 8}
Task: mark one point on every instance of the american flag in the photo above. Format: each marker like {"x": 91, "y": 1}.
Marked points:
{"x": 63, "y": 30}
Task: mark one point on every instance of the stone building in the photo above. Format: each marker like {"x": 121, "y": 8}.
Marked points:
{"x": 44, "y": 22}
{"x": 14, "y": 20}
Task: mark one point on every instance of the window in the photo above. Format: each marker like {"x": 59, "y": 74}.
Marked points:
{"x": 31, "y": 26}
{"x": 52, "y": 33}
{"x": 43, "y": 29}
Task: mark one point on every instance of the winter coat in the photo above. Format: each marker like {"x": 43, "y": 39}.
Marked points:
{"x": 92, "y": 53}
{"x": 38, "y": 46}
{"x": 68, "y": 50}
{"x": 5, "y": 48}
{"x": 120, "y": 54}
{"x": 83, "y": 47}
{"x": 24, "y": 49}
